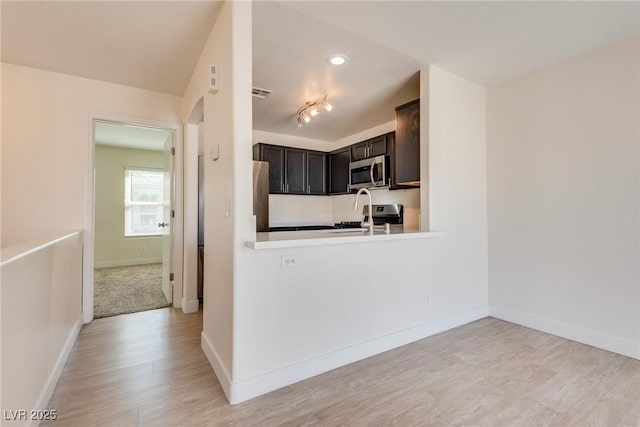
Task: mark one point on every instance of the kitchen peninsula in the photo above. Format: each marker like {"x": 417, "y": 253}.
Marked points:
{"x": 292, "y": 239}
{"x": 386, "y": 224}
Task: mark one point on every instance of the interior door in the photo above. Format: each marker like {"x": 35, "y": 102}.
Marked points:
{"x": 167, "y": 220}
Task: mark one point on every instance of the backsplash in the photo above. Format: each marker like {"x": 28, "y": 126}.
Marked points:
{"x": 410, "y": 199}
{"x": 327, "y": 210}
{"x": 285, "y": 209}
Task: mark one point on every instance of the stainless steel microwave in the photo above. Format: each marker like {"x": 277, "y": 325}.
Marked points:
{"x": 369, "y": 173}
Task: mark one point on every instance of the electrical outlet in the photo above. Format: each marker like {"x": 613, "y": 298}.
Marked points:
{"x": 288, "y": 261}
{"x": 427, "y": 298}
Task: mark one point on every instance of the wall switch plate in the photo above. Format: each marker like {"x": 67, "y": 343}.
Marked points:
{"x": 288, "y": 261}
{"x": 213, "y": 78}
{"x": 214, "y": 152}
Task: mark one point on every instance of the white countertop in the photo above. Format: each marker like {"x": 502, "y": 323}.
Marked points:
{"x": 290, "y": 239}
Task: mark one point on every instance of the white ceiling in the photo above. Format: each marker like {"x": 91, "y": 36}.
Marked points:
{"x": 388, "y": 41}
{"x": 290, "y": 57}
{"x": 130, "y": 136}
{"x": 147, "y": 44}
{"x": 483, "y": 41}
{"x": 155, "y": 45}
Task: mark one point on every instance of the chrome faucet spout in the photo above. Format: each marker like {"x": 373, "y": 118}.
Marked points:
{"x": 369, "y": 222}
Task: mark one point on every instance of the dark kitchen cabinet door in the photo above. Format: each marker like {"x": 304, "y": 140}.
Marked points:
{"x": 370, "y": 148}
{"x": 295, "y": 171}
{"x": 359, "y": 151}
{"x": 316, "y": 172}
{"x": 393, "y": 184}
{"x": 339, "y": 171}
{"x": 378, "y": 146}
{"x": 275, "y": 156}
{"x": 407, "y": 144}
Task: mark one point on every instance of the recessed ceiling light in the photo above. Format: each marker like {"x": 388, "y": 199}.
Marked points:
{"x": 338, "y": 59}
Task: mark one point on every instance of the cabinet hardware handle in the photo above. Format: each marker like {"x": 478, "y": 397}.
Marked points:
{"x": 287, "y": 188}
{"x": 282, "y": 186}
{"x": 373, "y": 165}
{"x": 309, "y": 188}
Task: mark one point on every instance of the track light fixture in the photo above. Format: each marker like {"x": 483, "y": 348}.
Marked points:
{"x": 311, "y": 109}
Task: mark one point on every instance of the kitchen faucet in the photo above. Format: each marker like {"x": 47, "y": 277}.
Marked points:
{"x": 368, "y": 223}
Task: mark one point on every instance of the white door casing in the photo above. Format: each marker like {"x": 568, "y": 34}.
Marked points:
{"x": 89, "y": 192}
{"x": 167, "y": 224}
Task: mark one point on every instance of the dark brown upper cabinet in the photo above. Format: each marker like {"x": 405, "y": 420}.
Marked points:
{"x": 299, "y": 171}
{"x": 293, "y": 170}
{"x": 406, "y": 149}
{"x": 316, "y": 172}
{"x": 295, "y": 178}
{"x": 370, "y": 148}
{"x": 339, "y": 171}
{"x": 274, "y": 155}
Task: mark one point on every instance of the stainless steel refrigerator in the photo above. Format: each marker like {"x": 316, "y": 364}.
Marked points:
{"x": 261, "y": 195}
{"x": 200, "y": 224}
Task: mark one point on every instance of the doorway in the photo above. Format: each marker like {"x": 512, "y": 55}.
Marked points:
{"x": 133, "y": 212}
{"x": 193, "y": 197}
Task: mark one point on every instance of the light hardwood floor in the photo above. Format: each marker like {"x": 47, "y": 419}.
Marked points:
{"x": 147, "y": 369}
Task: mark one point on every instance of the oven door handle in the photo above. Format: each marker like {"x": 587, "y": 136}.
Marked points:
{"x": 373, "y": 165}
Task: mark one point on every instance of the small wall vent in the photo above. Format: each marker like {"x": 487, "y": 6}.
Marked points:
{"x": 260, "y": 93}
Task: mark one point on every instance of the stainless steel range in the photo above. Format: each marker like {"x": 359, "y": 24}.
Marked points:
{"x": 384, "y": 214}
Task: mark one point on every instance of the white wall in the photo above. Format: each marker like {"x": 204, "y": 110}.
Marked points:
{"x": 563, "y": 199}
{"x": 345, "y": 302}
{"x": 291, "y": 141}
{"x": 111, "y": 247}
{"x": 41, "y": 317}
{"x": 228, "y": 181}
{"x": 365, "y": 134}
{"x": 46, "y": 138}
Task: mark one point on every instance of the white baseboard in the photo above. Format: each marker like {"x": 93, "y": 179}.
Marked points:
{"x": 52, "y": 381}
{"x": 590, "y": 337}
{"x": 256, "y": 386}
{"x": 224, "y": 378}
{"x": 127, "y": 262}
{"x": 190, "y": 306}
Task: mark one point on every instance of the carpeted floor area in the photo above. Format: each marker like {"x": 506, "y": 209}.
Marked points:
{"x": 120, "y": 290}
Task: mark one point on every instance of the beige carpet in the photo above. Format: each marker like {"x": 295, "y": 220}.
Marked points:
{"x": 120, "y": 290}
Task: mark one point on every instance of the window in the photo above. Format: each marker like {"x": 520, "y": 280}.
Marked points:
{"x": 143, "y": 202}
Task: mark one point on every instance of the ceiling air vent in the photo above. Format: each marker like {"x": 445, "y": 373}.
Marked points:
{"x": 260, "y": 93}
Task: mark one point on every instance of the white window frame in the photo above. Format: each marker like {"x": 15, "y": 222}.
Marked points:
{"x": 128, "y": 233}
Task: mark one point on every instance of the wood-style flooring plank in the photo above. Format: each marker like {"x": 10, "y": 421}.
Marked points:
{"x": 147, "y": 369}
